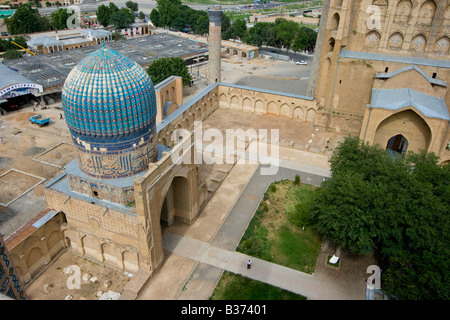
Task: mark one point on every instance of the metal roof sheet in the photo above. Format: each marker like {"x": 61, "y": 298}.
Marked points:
{"x": 396, "y": 99}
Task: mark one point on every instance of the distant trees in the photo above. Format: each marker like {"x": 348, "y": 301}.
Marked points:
{"x": 59, "y": 19}
{"x": 168, "y": 10}
{"x": 133, "y": 6}
{"x": 282, "y": 33}
{"x": 112, "y": 15}
{"x": 26, "y": 20}
{"x": 236, "y": 30}
{"x": 173, "y": 14}
{"x": 396, "y": 206}
{"x": 5, "y": 44}
{"x": 163, "y": 68}
{"x": 121, "y": 18}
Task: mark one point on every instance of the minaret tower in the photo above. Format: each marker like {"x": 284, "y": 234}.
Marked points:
{"x": 215, "y": 38}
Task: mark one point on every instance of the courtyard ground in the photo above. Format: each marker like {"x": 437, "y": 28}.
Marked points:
{"x": 57, "y": 280}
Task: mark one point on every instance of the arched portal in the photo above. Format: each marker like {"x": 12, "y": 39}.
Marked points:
{"x": 177, "y": 202}
{"x": 407, "y": 124}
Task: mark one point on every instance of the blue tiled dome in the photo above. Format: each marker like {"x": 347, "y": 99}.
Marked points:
{"x": 108, "y": 96}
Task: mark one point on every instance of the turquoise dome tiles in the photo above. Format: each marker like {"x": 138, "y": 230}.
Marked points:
{"x": 109, "y": 104}
{"x": 108, "y": 96}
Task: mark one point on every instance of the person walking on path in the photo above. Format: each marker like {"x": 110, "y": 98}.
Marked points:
{"x": 249, "y": 264}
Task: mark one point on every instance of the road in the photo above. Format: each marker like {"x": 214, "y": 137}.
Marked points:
{"x": 296, "y": 56}
{"x": 147, "y": 6}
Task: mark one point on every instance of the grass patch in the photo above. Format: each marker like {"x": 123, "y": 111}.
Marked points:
{"x": 236, "y": 287}
{"x": 276, "y": 232}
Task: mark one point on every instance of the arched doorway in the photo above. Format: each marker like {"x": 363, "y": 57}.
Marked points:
{"x": 407, "y": 124}
{"x": 397, "y": 144}
{"x": 166, "y": 218}
{"x": 177, "y": 202}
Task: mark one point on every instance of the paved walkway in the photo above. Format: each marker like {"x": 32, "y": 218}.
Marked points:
{"x": 195, "y": 262}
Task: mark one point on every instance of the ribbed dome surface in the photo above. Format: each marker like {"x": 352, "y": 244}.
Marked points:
{"x": 108, "y": 96}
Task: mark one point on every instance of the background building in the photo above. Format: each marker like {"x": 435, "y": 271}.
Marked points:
{"x": 384, "y": 72}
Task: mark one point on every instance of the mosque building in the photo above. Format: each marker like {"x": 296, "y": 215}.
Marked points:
{"x": 386, "y": 83}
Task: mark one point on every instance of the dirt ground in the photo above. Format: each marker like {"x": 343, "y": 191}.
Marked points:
{"x": 53, "y": 283}
{"x": 22, "y": 140}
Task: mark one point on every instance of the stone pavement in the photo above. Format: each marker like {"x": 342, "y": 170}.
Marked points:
{"x": 196, "y": 260}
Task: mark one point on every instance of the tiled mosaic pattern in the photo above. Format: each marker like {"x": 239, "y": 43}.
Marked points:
{"x": 9, "y": 281}
{"x": 108, "y": 95}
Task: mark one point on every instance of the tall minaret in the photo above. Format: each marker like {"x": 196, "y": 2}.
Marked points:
{"x": 315, "y": 66}
{"x": 215, "y": 38}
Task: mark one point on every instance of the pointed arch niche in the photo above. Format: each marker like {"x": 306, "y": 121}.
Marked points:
{"x": 403, "y": 12}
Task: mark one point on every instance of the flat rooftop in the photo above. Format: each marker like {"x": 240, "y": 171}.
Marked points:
{"x": 51, "y": 70}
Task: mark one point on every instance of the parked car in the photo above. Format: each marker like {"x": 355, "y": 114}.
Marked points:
{"x": 37, "y": 119}
{"x": 301, "y": 62}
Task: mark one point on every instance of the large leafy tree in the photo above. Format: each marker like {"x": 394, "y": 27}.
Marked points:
{"x": 397, "y": 206}
{"x": 260, "y": 34}
{"x": 59, "y": 19}
{"x": 133, "y": 6}
{"x": 7, "y": 44}
{"x": 105, "y": 12}
{"x": 26, "y": 20}
{"x": 121, "y": 18}
{"x": 163, "y": 68}
{"x": 201, "y": 26}
{"x": 154, "y": 17}
{"x": 237, "y": 30}
{"x": 281, "y": 33}
{"x": 168, "y": 11}
{"x": 286, "y": 32}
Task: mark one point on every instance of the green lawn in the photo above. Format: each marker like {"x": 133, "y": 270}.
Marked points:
{"x": 276, "y": 231}
{"x": 235, "y": 287}
{"x": 275, "y": 234}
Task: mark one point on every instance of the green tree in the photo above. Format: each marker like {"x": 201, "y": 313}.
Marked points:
{"x": 20, "y": 41}
{"x": 121, "y": 18}
{"x": 141, "y": 15}
{"x": 226, "y": 22}
{"x": 12, "y": 54}
{"x": 168, "y": 11}
{"x": 262, "y": 33}
{"x": 286, "y": 31}
{"x": 397, "y": 206}
{"x": 163, "y": 68}
{"x": 201, "y": 26}
{"x": 154, "y": 17}
{"x": 4, "y": 45}
{"x": 103, "y": 15}
{"x": 105, "y": 12}
{"x": 26, "y": 20}
{"x": 301, "y": 42}
{"x": 59, "y": 19}
{"x": 237, "y": 30}
{"x": 133, "y": 6}
{"x": 312, "y": 37}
